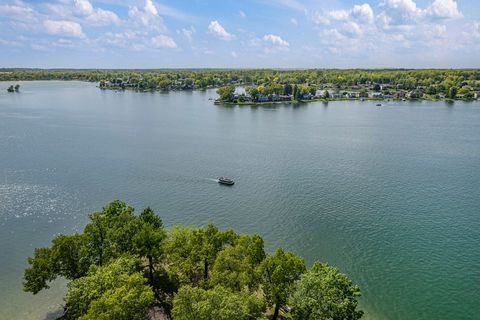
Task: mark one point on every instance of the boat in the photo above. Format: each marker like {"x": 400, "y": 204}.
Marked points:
{"x": 379, "y": 104}
{"x": 226, "y": 181}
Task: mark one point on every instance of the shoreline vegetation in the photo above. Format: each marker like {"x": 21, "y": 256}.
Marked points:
{"x": 127, "y": 266}
{"x": 269, "y": 86}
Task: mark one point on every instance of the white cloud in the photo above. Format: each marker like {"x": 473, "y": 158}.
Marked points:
{"x": 148, "y": 17}
{"x": 188, "y": 33}
{"x": 339, "y": 15}
{"x": 242, "y": 14}
{"x": 64, "y": 27}
{"x": 401, "y": 11}
{"x": 162, "y": 41}
{"x": 121, "y": 39}
{"x": 363, "y": 12}
{"x": 18, "y": 10}
{"x": 276, "y": 40}
{"x": 150, "y": 8}
{"x": 95, "y": 16}
{"x": 352, "y": 29}
{"x": 103, "y": 17}
{"x": 217, "y": 30}
{"x": 83, "y": 7}
{"x": 294, "y": 21}
{"x": 446, "y": 9}
{"x": 234, "y": 54}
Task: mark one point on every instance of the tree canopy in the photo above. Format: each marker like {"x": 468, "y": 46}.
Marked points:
{"x": 323, "y": 293}
{"x": 123, "y": 265}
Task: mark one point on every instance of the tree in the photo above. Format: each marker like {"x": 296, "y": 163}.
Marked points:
{"x": 218, "y": 303}
{"x": 111, "y": 292}
{"x": 110, "y": 232}
{"x": 323, "y": 293}
{"x": 452, "y": 93}
{"x": 226, "y": 93}
{"x": 192, "y": 251}
{"x": 149, "y": 239}
{"x": 253, "y": 92}
{"x": 67, "y": 258}
{"x": 235, "y": 267}
{"x": 326, "y": 94}
{"x": 279, "y": 273}
{"x": 295, "y": 92}
{"x": 287, "y": 89}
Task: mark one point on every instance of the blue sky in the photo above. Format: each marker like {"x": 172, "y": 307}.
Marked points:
{"x": 247, "y": 34}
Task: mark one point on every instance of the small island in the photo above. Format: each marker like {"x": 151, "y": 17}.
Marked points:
{"x": 125, "y": 266}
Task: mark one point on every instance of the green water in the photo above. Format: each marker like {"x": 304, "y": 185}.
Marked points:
{"x": 390, "y": 195}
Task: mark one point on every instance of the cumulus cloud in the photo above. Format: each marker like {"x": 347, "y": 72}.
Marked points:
{"x": 219, "y": 31}
{"x": 162, "y": 41}
{"x": 400, "y": 11}
{"x": 446, "y": 9}
{"x": 276, "y": 40}
{"x": 148, "y": 17}
{"x": 63, "y": 28}
{"x": 150, "y": 8}
{"x": 242, "y": 14}
{"x": 363, "y": 12}
{"x": 83, "y": 7}
{"x": 93, "y": 15}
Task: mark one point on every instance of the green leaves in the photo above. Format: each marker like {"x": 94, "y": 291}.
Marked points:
{"x": 226, "y": 93}
{"x": 279, "y": 273}
{"x": 68, "y": 257}
{"x": 323, "y": 293}
{"x": 116, "y": 291}
{"x": 218, "y": 274}
{"x": 217, "y": 303}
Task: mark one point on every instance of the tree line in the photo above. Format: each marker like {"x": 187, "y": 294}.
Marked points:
{"x": 124, "y": 265}
{"x": 435, "y": 80}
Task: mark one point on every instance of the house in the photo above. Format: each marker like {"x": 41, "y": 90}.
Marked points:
{"x": 354, "y": 95}
{"x": 414, "y": 94}
{"x": 307, "y": 96}
{"x": 400, "y": 94}
{"x": 477, "y": 95}
{"x": 363, "y": 94}
{"x": 376, "y": 95}
{"x": 262, "y": 98}
{"x": 335, "y": 95}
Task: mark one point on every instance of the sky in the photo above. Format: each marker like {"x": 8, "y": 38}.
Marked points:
{"x": 240, "y": 34}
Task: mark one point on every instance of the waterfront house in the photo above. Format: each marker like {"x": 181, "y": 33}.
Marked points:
{"x": 363, "y": 94}
{"x": 262, "y": 98}
{"x": 376, "y": 95}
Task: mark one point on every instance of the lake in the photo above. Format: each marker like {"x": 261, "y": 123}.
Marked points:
{"x": 390, "y": 195}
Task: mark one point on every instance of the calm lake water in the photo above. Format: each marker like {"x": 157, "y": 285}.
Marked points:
{"x": 390, "y": 195}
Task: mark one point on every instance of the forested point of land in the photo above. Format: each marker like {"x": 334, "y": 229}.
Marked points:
{"x": 274, "y": 85}
{"x": 127, "y": 266}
